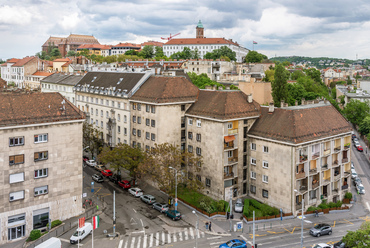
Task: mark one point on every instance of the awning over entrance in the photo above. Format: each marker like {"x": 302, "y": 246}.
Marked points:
{"x": 229, "y": 138}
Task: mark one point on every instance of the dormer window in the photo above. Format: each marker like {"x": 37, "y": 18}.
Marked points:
{"x": 93, "y": 79}
{"x": 120, "y": 80}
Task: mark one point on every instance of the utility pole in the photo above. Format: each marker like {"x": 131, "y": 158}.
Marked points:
{"x": 302, "y": 222}
{"x": 114, "y": 213}
{"x": 231, "y": 206}
{"x": 253, "y": 231}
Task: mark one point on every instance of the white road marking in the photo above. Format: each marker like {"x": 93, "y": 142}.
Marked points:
{"x": 120, "y": 243}
{"x": 174, "y": 237}
{"x": 145, "y": 241}
{"x": 191, "y": 233}
{"x": 169, "y": 238}
{"x": 203, "y": 234}
{"x": 368, "y": 207}
{"x": 132, "y": 242}
{"x": 138, "y": 242}
{"x": 126, "y": 244}
{"x": 186, "y": 234}
{"x": 180, "y": 236}
{"x": 157, "y": 239}
{"x": 134, "y": 210}
{"x": 151, "y": 240}
{"x": 163, "y": 238}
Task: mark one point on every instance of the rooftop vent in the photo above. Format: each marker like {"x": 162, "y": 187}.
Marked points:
{"x": 120, "y": 80}
{"x": 93, "y": 79}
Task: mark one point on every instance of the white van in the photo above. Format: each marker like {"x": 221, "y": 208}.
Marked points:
{"x": 81, "y": 233}
{"x": 50, "y": 243}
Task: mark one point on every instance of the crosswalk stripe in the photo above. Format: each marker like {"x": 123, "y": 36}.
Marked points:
{"x": 157, "y": 239}
{"x": 145, "y": 241}
{"x": 163, "y": 238}
{"x": 180, "y": 236}
{"x": 169, "y": 238}
{"x": 120, "y": 243}
{"x": 186, "y": 234}
{"x": 138, "y": 242}
{"x": 132, "y": 242}
{"x": 203, "y": 234}
{"x": 151, "y": 240}
{"x": 191, "y": 233}
{"x": 174, "y": 238}
{"x": 126, "y": 244}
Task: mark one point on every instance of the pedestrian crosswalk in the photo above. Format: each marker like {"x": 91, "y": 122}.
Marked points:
{"x": 159, "y": 238}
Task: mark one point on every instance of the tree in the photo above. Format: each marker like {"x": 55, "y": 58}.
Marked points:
{"x": 279, "y": 85}
{"x": 297, "y": 74}
{"x": 157, "y": 162}
{"x": 224, "y": 51}
{"x": 55, "y": 52}
{"x": 83, "y": 52}
{"x": 92, "y": 139}
{"x": 269, "y": 75}
{"x": 147, "y": 52}
{"x": 41, "y": 55}
{"x": 159, "y": 52}
{"x": 71, "y": 53}
{"x": 359, "y": 238}
{"x": 121, "y": 157}
{"x": 186, "y": 53}
{"x": 254, "y": 57}
{"x": 365, "y": 126}
{"x": 356, "y": 111}
{"x": 314, "y": 74}
{"x": 131, "y": 52}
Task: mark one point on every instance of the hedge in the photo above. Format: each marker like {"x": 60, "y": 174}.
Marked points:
{"x": 35, "y": 234}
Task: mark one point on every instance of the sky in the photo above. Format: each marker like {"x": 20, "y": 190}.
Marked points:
{"x": 314, "y": 28}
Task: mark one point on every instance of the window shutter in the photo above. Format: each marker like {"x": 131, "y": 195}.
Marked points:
{"x": 19, "y": 159}
{"x": 36, "y": 156}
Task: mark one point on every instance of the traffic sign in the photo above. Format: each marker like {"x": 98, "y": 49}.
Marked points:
{"x": 84, "y": 194}
{"x": 175, "y": 199}
{"x": 239, "y": 225}
{"x": 176, "y": 204}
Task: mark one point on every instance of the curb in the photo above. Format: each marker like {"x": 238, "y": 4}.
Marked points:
{"x": 218, "y": 234}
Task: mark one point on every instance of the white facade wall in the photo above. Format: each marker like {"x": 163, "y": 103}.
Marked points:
{"x": 64, "y": 90}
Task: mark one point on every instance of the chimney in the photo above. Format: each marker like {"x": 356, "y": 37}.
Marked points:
{"x": 227, "y": 87}
{"x": 303, "y": 101}
{"x": 282, "y": 104}
{"x": 296, "y": 102}
{"x": 214, "y": 87}
{"x": 250, "y": 98}
{"x": 271, "y": 107}
{"x": 208, "y": 87}
{"x": 220, "y": 88}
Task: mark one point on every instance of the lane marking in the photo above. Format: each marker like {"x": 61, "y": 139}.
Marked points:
{"x": 216, "y": 237}
{"x": 191, "y": 233}
{"x": 163, "y": 238}
{"x": 145, "y": 241}
{"x": 134, "y": 210}
{"x": 120, "y": 243}
{"x": 291, "y": 232}
{"x": 138, "y": 241}
{"x": 169, "y": 238}
{"x": 345, "y": 221}
{"x": 333, "y": 224}
{"x": 132, "y": 242}
{"x": 368, "y": 207}
{"x": 157, "y": 239}
{"x": 151, "y": 240}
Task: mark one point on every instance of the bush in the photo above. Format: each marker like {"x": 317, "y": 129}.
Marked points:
{"x": 312, "y": 208}
{"x": 221, "y": 205}
{"x": 55, "y": 223}
{"x": 35, "y": 234}
{"x": 264, "y": 208}
{"x": 348, "y": 195}
{"x": 207, "y": 204}
{"x": 246, "y": 210}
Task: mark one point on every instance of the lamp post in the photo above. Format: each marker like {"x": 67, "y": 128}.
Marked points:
{"x": 301, "y": 217}
{"x": 196, "y": 234}
{"x": 175, "y": 187}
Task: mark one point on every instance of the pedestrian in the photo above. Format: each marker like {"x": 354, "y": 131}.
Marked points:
{"x": 209, "y": 226}
{"x": 206, "y": 225}
{"x": 316, "y": 213}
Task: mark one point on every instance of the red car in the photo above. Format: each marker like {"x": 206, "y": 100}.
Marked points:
{"x": 124, "y": 184}
{"x": 359, "y": 148}
{"x": 106, "y": 173}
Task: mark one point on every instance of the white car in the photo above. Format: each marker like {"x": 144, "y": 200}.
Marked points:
{"x": 352, "y": 166}
{"x": 322, "y": 245}
{"x": 91, "y": 163}
{"x": 354, "y": 174}
{"x": 360, "y": 188}
{"x": 239, "y": 206}
{"x": 135, "y": 192}
{"x": 356, "y": 143}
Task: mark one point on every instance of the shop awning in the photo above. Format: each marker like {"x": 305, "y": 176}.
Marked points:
{"x": 229, "y": 138}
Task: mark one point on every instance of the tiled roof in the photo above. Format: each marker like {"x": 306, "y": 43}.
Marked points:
{"x": 42, "y": 73}
{"x": 110, "y": 79}
{"x": 67, "y": 64}
{"x": 195, "y": 41}
{"x": 61, "y": 60}
{"x": 31, "y": 108}
{"x": 13, "y": 60}
{"x": 300, "y": 124}
{"x": 152, "y": 43}
{"x": 166, "y": 89}
{"x": 224, "y": 105}
{"x": 60, "y": 78}
{"x": 127, "y": 45}
{"x": 55, "y": 40}
{"x": 97, "y": 46}
{"x": 23, "y": 61}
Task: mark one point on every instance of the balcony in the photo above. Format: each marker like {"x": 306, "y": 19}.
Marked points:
{"x": 228, "y": 175}
{"x": 335, "y": 163}
{"x": 313, "y": 171}
{"x": 316, "y": 155}
{"x": 302, "y": 188}
{"x": 312, "y": 201}
{"x": 232, "y": 131}
{"x": 335, "y": 191}
{"x": 326, "y": 152}
{"x": 337, "y": 149}
{"x": 302, "y": 158}
{"x": 232, "y": 160}
{"x": 229, "y": 145}
{"x": 315, "y": 184}
{"x": 326, "y": 180}
{"x": 345, "y": 187}
{"x": 346, "y": 147}
{"x": 347, "y": 173}
{"x": 344, "y": 160}
{"x": 300, "y": 175}
{"x": 324, "y": 167}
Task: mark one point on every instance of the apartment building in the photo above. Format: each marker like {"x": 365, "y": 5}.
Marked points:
{"x": 33, "y": 81}
{"x": 104, "y": 96}
{"x": 41, "y": 165}
{"x": 214, "y": 69}
{"x": 216, "y": 128}
{"x": 299, "y": 155}
{"x": 158, "y": 111}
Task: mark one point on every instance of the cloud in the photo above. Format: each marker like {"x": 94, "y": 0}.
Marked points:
{"x": 14, "y": 15}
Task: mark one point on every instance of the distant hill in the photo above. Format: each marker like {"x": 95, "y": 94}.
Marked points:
{"x": 321, "y": 62}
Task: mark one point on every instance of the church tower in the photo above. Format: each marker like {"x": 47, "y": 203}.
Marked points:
{"x": 199, "y": 30}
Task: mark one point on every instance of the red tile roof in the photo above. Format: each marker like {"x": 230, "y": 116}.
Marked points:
{"x": 224, "y": 105}
{"x": 23, "y": 61}
{"x": 152, "y": 43}
{"x": 97, "y": 46}
{"x": 13, "y": 60}
{"x": 42, "y": 73}
{"x": 128, "y": 45}
{"x": 195, "y": 41}
{"x": 300, "y": 124}
{"x": 61, "y": 60}
{"x": 33, "y": 108}
{"x": 166, "y": 89}
{"x": 67, "y": 64}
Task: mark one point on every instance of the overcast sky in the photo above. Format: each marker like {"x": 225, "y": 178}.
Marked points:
{"x": 314, "y": 28}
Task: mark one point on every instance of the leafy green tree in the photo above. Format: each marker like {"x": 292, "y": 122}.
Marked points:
{"x": 314, "y": 74}
{"x": 341, "y": 98}
{"x": 55, "y": 52}
{"x": 297, "y": 74}
{"x": 365, "y": 126}
{"x": 92, "y": 138}
{"x": 224, "y": 51}
{"x": 357, "y": 77}
{"x": 254, "y": 57}
{"x": 83, "y": 52}
{"x": 71, "y": 53}
{"x": 295, "y": 92}
{"x": 269, "y": 75}
{"x": 159, "y": 52}
{"x": 202, "y": 80}
{"x": 131, "y": 52}
{"x": 110, "y": 59}
{"x": 186, "y": 53}
{"x": 41, "y": 55}
{"x": 279, "y": 85}
{"x": 356, "y": 111}
{"x": 349, "y": 81}
{"x": 147, "y": 52}
{"x": 359, "y": 238}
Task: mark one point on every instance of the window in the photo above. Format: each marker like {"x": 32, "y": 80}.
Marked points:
{"x": 199, "y": 123}
{"x": 134, "y": 106}
{"x": 199, "y": 178}
{"x": 147, "y": 108}
{"x": 253, "y": 175}
{"x": 96, "y": 112}
{"x": 101, "y": 113}
{"x": 112, "y": 103}
{"x": 101, "y": 124}
{"x": 199, "y": 151}
{"x": 190, "y": 121}
{"x": 119, "y": 129}
{"x": 139, "y": 120}
{"x": 139, "y": 133}
{"x": 107, "y": 114}
{"x": 147, "y": 148}
{"x": 118, "y": 105}
{"x": 153, "y": 109}
{"x": 92, "y": 111}
{"x": 183, "y": 107}
{"x": 230, "y": 154}
{"x": 96, "y": 100}
{"x": 119, "y": 140}
{"x": 190, "y": 148}
{"x": 199, "y": 137}
{"x": 16, "y": 195}
{"x": 265, "y": 164}
{"x": 265, "y": 193}
{"x": 153, "y": 136}
{"x": 92, "y": 121}
{"x": 16, "y": 141}
{"x": 41, "y": 190}
{"x": 133, "y": 143}
{"x": 125, "y": 118}
{"x": 16, "y": 226}
{"x": 190, "y": 135}
{"x": 101, "y": 101}
{"x": 208, "y": 182}
{"x": 312, "y": 194}
{"x": 139, "y": 106}
{"x": 134, "y": 119}
{"x": 253, "y": 189}
{"x": 147, "y": 121}
{"x": 265, "y": 179}
{"x": 134, "y": 131}
{"x": 41, "y": 173}
{"x": 229, "y": 125}
{"x": 253, "y": 161}
{"x": 41, "y": 138}
{"x": 97, "y": 123}
{"x": 125, "y": 131}
{"x": 119, "y": 117}
{"x": 40, "y": 218}
{"x": 153, "y": 123}
{"x": 244, "y": 174}
{"x": 253, "y": 146}
{"x": 16, "y": 178}
{"x": 147, "y": 135}
{"x": 40, "y": 155}
{"x": 107, "y": 102}
{"x": 265, "y": 149}
{"x": 16, "y": 159}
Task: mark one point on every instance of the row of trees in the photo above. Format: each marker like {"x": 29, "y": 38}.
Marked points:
{"x": 202, "y": 80}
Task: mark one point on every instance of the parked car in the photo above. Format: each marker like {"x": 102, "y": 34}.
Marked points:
{"x": 355, "y": 140}
{"x": 91, "y": 163}
{"x": 239, "y": 206}
{"x": 356, "y": 143}
{"x": 173, "y": 214}
{"x": 100, "y": 167}
{"x": 339, "y": 244}
{"x": 353, "y": 174}
{"x": 85, "y": 158}
{"x": 354, "y": 136}
{"x": 114, "y": 178}
{"x": 321, "y": 229}
{"x": 135, "y": 192}
{"x": 97, "y": 178}
{"x": 81, "y": 233}
{"x": 356, "y": 181}
{"x": 124, "y": 184}
{"x": 323, "y": 245}
{"x": 161, "y": 207}
{"x": 148, "y": 199}
{"x": 237, "y": 243}
{"x": 360, "y": 188}
{"x": 359, "y": 148}
{"x": 352, "y": 166}
{"x": 106, "y": 173}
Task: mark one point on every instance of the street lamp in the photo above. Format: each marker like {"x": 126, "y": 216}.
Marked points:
{"x": 196, "y": 234}
{"x": 301, "y": 217}
{"x": 175, "y": 187}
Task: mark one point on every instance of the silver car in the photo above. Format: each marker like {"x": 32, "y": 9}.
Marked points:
{"x": 239, "y": 206}
{"x": 161, "y": 207}
{"x": 135, "y": 192}
{"x": 148, "y": 199}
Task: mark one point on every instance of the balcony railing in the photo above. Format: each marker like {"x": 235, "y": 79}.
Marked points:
{"x": 302, "y": 158}
{"x": 344, "y": 160}
{"x": 326, "y": 180}
{"x": 312, "y": 201}
{"x": 344, "y": 187}
{"x": 232, "y": 160}
{"x": 326, "y": 152}
{"x": 313, "y": 171}
{"x": 346, "y": 147}
{"x": 232, "y": 131}
{"x": 228, "y": 175}
{"x": 337, "y": 149}
{"x": 316, "y": 155}
{"x": 347, "y": 173}
{"x": 229, "y": 146}
{"x": 300, "y": 175}
{"x": 336, "y": 177}
{"x": 324, "y": 167}
{"x": 315, "y": 185}
{"x": 335, "y": 190}
{"x": 302, "y": 188}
